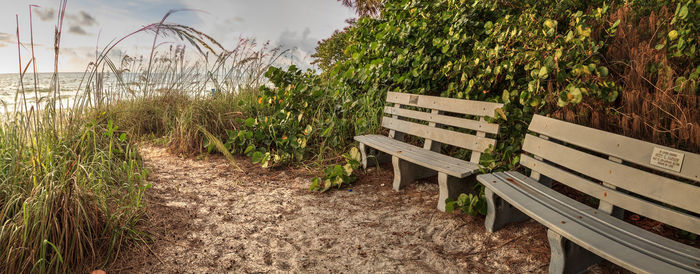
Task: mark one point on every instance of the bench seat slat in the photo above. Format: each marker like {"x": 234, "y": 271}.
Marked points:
{"x": 382, "y": 142}
{"x": 469, "y": 107}
{"x": 430, "y": 159}
{"x": 613, "y": 239}
{"x": 650, "y": 185}
{"x": 620, "y": 199}
{"x": 625, "y": 229}
{"x": 444, "y": 136}
{"x": 622, "y": 147}
{"x": 399, "y": 148}
{"x": 444, "y": 119}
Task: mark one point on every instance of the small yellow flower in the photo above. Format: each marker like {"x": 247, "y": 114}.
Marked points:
{"x": 259, "y": 100}
{"x": 284, "y": 137}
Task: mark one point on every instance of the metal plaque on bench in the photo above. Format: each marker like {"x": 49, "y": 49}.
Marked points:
{"x": 667, "y": 159}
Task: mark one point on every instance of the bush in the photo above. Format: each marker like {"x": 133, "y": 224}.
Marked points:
{"x": 622, "y": 67}
{"x": 299, "y": 115}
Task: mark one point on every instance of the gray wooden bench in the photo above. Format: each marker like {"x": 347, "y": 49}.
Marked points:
{"x": 624, "y": 174}
{"x": 436, "y": 120}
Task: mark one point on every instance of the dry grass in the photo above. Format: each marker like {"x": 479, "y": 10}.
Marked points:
{"x": 651, "y": 106}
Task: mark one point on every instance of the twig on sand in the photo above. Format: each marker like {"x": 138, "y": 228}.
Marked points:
{"x": 496, "y": 247}
{"x": 154, "y": 254}
{"x": 508, "y": 241}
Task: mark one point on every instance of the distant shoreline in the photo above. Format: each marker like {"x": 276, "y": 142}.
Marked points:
{"x": 28, "y": 74}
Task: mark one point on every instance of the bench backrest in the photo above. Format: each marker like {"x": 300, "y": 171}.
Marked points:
{"x": 439, "y": 127}
{"x": 651, "y": 180}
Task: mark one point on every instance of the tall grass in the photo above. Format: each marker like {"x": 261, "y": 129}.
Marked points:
{"x": 68, "y": 197}
{"x": 71, "y": 180}
{"x": 184, "y": 99}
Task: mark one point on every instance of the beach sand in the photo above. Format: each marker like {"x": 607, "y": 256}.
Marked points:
{"x": 206, "y": 217}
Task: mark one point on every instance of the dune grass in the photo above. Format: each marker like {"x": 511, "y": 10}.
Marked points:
{"x": 72, "y": 183}
{"x": 69, "y": 196}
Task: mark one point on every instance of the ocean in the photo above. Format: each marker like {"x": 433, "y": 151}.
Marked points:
{"x": 69, "y": 83}
{"x": 10, "y": 86}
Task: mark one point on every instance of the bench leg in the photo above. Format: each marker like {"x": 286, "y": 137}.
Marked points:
{"x": 379, "y": 157}
{"x": 452, "y": 187}
{"x": 363, "y": 152}
{"x": 610, "y": 208}
{"x": 406, "y": 173}
{"x": 568, "y": 257}
{"x": 500, "y": 213}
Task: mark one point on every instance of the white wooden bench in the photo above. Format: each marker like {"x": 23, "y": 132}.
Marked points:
{"x": 438, "y": 121}
{"x": 624, "y": 174}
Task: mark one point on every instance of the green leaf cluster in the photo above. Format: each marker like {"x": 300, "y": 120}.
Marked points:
{"x": 533, "y": 56}
{"x": 472, "y": 204}
{"x": 337, "y": 175}
{"x": 296, "y": 116}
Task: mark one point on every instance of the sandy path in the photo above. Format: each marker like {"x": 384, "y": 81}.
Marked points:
{"x": 207, "y": 218}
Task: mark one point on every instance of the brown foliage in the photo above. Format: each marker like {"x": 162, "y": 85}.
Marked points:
{"x": 651, "y": 107}
{"x": 364, "y": 7}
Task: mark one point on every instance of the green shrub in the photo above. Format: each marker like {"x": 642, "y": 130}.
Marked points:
{"x": 337, "y": 175}
{"x": 533, "y": 56}
{"x": 298, "y": 116}
{"x": 563, "y": 59}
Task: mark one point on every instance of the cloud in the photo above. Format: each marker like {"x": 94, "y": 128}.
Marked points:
{"x": 78, "y": 22}
{"x": 292, "y": 39}
{"x": 86, "y": 19}
{"x": 77, "y": 58}
{"x": 77, "y": 30}
{"x": 301, "y": 47}
{"x": 82, "y": 19}
{"x": 6, "y": 39}
{"x": 46, "y": 14}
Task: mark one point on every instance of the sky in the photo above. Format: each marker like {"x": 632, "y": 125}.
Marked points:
{"x": 292, "y": 24}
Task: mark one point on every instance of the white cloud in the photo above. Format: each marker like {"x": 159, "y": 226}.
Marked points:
{"x": 46, "y": 14}
{"x": 294, "y": 24}
{"x": 292, "y": 39}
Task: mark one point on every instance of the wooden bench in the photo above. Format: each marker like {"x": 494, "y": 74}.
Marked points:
{"x": 623, "y": 174}
{"x": 436, "y": 119}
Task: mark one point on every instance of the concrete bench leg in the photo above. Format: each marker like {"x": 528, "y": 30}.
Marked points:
{"x": 406, "y": 173}
{"x": 452, "y": 187}
{"x": 568, "y": 257}
{"x": 500, "y": 213}
{"x": 378, "y": 156}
